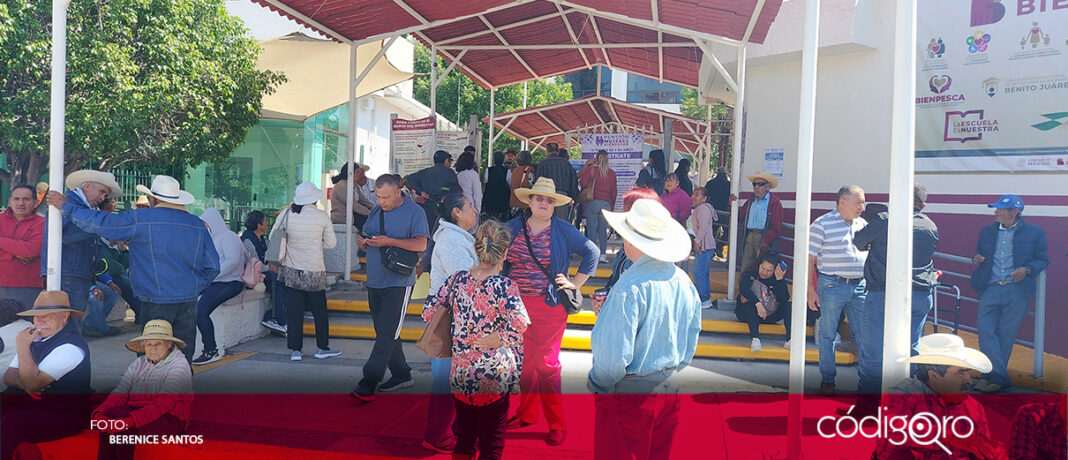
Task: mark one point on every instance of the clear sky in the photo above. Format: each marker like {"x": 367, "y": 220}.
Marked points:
{"x": 264, "y": 23}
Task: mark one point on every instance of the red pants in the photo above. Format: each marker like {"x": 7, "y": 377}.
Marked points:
{"x": 540, "y": 379}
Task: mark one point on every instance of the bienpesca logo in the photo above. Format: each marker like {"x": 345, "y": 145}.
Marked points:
{"x": 939, "y": 83}
{"x": 977, "y": 42}
{"x": 987, "y": 12}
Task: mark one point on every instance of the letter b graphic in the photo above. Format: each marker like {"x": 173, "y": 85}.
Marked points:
{"x": 987, "y": 12}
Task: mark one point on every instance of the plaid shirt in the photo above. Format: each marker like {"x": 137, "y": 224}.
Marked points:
{"x": 912, "y": 396}
{"x": 1039, "y": 432}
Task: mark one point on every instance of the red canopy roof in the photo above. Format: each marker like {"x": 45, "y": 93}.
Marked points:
{"x": 549, "y": 123}
{"x": 509, "y": 41}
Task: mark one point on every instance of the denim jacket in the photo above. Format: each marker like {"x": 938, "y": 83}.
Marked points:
{"x": 79, "y": 245}
{"x": 172, "y": 257}
{"x": 1028, "y": 250}
{"x": 564, "y": 240}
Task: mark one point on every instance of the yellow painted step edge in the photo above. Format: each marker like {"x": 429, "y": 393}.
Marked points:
{"x": 582, "y": 318}
{"x": 582, "y": 342}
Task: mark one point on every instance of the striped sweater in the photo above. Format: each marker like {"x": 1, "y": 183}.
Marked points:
{"x": 154, "y": 390}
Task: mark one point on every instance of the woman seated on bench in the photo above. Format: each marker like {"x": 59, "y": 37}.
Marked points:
{"x": 763, "y": 298}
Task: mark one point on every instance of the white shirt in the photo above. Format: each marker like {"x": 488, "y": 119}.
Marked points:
{"x": 307, "y": 234}
{"x": 59, "y": 362}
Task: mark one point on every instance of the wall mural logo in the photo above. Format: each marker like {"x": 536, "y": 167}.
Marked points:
{"x": 991, "y": 86}
{"x": 987, "y": 12}
{"x": 964, "y": 126}
{"x": 1034, "y": 37}
{"x": 977, "y": 42}
{"x": 1056, "y": 120}
{"x": 936, "y": 48}
{"x": 939, "y": 83}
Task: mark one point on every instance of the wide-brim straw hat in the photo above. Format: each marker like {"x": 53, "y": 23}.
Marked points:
{"x": 157, "y": 329}
{"x": 52, "y": 302}
{"x": 949, "y": 350}
{"x": 306, "y": 193}
{"x": 142, "y": 200}
{"x": 544, "y": 187}
{"x": 771, "y": 180}
{"x": 76, "y": 178}
{"x": 167, "y": 188}
{"x": 650, "y": 228}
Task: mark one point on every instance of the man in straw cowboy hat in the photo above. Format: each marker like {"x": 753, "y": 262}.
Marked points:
{"x": 154, "y": 396}
{"x": 86, "y": 190}
{"x": 646, "y": 331}
{"x": 938, "y": 394}
{"x": 51, "y": 370}
{"x": 172, "y": 257}
{"x": 759, "y": 221}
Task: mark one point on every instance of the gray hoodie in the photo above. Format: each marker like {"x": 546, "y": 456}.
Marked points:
{"x": 232, "y": 253}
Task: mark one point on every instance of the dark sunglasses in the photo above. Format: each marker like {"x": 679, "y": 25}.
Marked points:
{"x": 760, "y": 184}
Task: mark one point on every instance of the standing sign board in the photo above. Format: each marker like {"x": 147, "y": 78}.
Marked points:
{"x": 992, "y": 86}
{"x": 624, "y": 157}
{"x": 411, "y": 145}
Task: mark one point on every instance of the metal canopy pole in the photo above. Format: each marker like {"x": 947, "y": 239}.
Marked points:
{"x": 433, "y": 80}
{"x": 898, "y": 311}
{"x": 58, "y": 127}
{"x": 806, "y": 134}
{"x": 736, "y": 174}
{"x": 352, "y": 157}
{"x": 493, "y": 94}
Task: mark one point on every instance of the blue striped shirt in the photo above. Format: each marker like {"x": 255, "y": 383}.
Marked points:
{"x": 758, "y": 213}
{"x": 831, "y": 241}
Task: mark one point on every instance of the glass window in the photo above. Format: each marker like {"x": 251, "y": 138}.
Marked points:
{"x": 644, "y": 90}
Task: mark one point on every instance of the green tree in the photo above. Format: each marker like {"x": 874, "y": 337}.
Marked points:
{"x": 459, "y": 97}
{"x": 153, "y": 83}
{"x": 721, "y": 146}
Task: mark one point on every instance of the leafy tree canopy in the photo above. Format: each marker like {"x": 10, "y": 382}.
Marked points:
{"x": 163, "y": 84}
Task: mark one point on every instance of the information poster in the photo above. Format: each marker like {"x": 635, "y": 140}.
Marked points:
{"x": 624, "y": 157}
{"x": 773, "y": 161}
{"x": 412, "y": 144}
{"x": 992, "y": 85}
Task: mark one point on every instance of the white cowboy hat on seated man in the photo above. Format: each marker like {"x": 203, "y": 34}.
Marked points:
{"x": 649, "y": 227}
{"x": 167, "y": 189}
{"x": 948, "y": 350}
{"x": 77, "y": 178}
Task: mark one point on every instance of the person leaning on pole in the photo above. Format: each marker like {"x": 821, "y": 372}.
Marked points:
{"x": 172, "y": 257}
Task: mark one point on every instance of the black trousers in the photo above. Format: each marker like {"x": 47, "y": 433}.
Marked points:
{"x": 388, "y": 307}
{"x": 314, "y": 301}
{"x": 183, "y": 318}
{"x": 165, "y": 425}
{"x": 481, "y": 425}
{"x": 746, "y": 313}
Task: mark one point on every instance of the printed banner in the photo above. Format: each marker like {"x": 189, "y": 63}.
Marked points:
{"x": 624, "y": 157}
{"x": 452, "y": 142}
{"x": 411, "y": 145}
{"x": 992, "y": 85}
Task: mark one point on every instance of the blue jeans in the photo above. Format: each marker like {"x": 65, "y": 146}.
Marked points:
{"x": 835, "y": 298}
{"x": 441, "y": 412}
{"x": 77, "y": 290}
{"x": 1001, "y": 310}
{"x": 701, "y": 262}
{"x": 216, "y": 294}
{"x": 96, "y": 315}
{"x": 596, "y": 225}
{"x": 870, "y": 364}
{"x": 277, "y": 289}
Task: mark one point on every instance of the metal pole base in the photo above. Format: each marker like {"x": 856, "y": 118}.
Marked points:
{"x": 725, "y": 304}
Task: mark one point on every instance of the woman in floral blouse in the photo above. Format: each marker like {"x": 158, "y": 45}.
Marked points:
{"x": 487, "y": 345}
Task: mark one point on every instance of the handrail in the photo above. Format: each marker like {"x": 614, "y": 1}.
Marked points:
{"x": 1039, "y": 344}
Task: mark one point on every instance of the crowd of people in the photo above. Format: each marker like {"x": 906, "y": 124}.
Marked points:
{"x": 510, "y": 236}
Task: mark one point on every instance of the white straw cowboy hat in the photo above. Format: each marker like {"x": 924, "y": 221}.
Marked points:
{"x": 771, "y": 180}
{"x": 142, "y": 200}
{"x": 306, "y": 193}
{"x": 77, "y": 178}
{"x": 949, "y": 350}
{"x": 650, "y": 228}
{"x": 157, "y": 329}
{"x": 544, "y": 187}
{"x": 52, "y": 302}
{"x": 167, "y": 189}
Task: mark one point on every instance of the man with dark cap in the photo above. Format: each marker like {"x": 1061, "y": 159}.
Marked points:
{"x": 1010, "y": 255}
{"x": 433, "y": 183}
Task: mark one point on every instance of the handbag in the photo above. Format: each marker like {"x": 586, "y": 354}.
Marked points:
{"x": 397, "y": 260}
{"x": 302, "y": 280}
{"x": 570, "y": 299}
{"x": 764, "y": 295}
{"x": 276, "y": 248}
{"x": 586, "y": 194}
{"x": 436, "y": 340}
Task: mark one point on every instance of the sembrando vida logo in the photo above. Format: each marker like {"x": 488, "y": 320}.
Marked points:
{"x": 939, "y": 83}
{"x": 987, "y": 12}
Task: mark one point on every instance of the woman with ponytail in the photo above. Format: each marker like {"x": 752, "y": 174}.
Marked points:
{"x": 487, "y": 344}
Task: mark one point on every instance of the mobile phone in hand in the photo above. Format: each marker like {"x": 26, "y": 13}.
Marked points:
{"x": 365, "y": 235}
{"x": 782, "y": 265}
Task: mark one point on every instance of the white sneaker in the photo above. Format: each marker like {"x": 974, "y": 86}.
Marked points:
{"x": 786, "y": 345}
{"x": 706, "y": 304}
{"x": 296, "y": 356}
{"x": 604, "y": 259}
{"x": 755, "y": 346}
{"x": 326, "y": 353}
